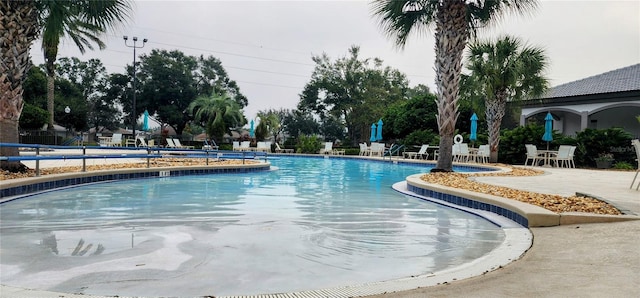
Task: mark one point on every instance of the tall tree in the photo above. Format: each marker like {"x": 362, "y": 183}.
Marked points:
{"x": 217, "y": 113}
{"x": 171, "y": 80}
{"x": 505, "y": 70}
{"x": 352, "y": 90}
{"x": 83, "y": 21}
{"x": 455, "y": 22}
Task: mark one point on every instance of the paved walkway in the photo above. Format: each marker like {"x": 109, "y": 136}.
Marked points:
{"x": 587, "y": 260}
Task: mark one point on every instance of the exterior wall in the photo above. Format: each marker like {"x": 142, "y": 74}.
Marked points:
{"x": 617, "y": 117}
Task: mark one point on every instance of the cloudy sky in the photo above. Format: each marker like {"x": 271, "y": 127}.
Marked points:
{"x": 266, "y": 46}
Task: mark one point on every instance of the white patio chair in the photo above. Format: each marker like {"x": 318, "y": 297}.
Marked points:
{"x": 179, "y": 144}
{"x": 236, "y": 146}
{"x": 563, "y": 158}
{"x": 364, "y": 149}
{"x": 245, "y": 146}
{"x": 116, "y": 140}
{"x": 421, "y": 154}
{"x": 280, "y": 150}
{"x": 328, "y": 148}
{"x": 376, "y": 149}
{"x": 636, "y": 146}
{"x": 141, "y": 142}
{"x": 170, "y": 143}
{"x": 484, "y": 153}
{"x": 263, "y": 146}
{"x": 532, "y": 155}
{"x": 461, "y": 152}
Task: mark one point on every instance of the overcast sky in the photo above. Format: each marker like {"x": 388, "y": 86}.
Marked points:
{"x": 266, "y": 46}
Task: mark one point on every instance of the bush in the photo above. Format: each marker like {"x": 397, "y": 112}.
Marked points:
{"x": 623, "y": 165}
{"x": 308, "y": 144}
{"x": 512, "y": 150}
{"x": 419, "y": 137}
{"x": 591, "y": 143}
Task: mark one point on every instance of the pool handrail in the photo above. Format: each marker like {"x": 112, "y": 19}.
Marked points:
{"x": 207, "y": 153}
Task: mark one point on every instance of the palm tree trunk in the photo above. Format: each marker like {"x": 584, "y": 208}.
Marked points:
{"x": 494, "y": 113}
{"x": 451, "y": 38}
{"x": 19, "y": 30}
{"x": 50, "y": 90}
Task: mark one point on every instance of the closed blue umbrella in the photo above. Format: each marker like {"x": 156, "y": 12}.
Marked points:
{"x": 474, "y": 127}
{"x": 548, "y": 129}
{"x": 145, "y": 121}
{"x": 373, "y": 133}
{"x": 251, "y": 132}
{"x": 379, "y": 134}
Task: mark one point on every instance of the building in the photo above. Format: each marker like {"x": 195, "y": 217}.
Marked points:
{"x": 611, "y": 99}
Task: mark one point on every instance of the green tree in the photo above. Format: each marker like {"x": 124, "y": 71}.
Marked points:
{"x": 270, "y": 122}
{"x": 217, "y": 114}
{"x": 353, "y": 91}
{"x": 298, "y": 123}
{"x": 171, "y": 80}
{"x": 505, "y": 70}
{"x": 455, "y": 22}
{"x": 83, "y": 21}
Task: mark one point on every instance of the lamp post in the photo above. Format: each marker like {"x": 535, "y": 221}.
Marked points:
{"x": 133, "y": 113}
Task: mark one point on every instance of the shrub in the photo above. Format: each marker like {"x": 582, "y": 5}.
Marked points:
{"x": 512, "y": 150}
{"x": 308, "y": 144}
{"x": 591, "y": 143}
{"x": 623, "y": 165}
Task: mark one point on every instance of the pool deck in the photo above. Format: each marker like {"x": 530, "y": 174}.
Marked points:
{"x": 581, "y": 260}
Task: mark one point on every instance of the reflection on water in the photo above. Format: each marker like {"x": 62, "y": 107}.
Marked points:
{"x": 311, "y": 224}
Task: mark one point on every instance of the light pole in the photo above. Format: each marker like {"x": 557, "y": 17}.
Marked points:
{"x": 133, "y": 113}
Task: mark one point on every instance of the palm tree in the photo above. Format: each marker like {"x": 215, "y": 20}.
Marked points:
{"x": 19, "y": 23}
{"x": 217, "y": 112}
{"x": 271, "y": 122}
{"x": 505, "y": 70}
{"x": 82, "y": 21}
{"x": 455, "y": 22}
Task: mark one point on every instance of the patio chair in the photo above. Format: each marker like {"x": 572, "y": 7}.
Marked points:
{"x": 461, "y": 152}
{"x": 170, "y": 143}
{"x": 563, "y": 158}
{"x": 636, "y": 146}
{"x": 328, "y": 148}
{"x": 421, "y": 154}
{"x": 179, "y": 145}
{"x": 280, "y": 150}
{"x": 376, "y": 149}
{"x": 116, "y": 140}
{"x": 532, "y": 155}
{"x": 245, "y": 146}
{"x": 484, "y": 153}
{"x": 236, "y": 146}
{"x": 364, "y": 149}
{"x": 141, "y": 142}
{"x": 209, "y": 145}
{"x": 263, "y": 146}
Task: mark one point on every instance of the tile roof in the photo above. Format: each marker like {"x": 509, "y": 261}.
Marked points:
{"x": 619, "y": 80}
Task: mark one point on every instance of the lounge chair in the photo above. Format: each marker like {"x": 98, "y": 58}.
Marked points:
{"x": 636, "y": 145}
{"x": 179, "y": 145}
{"x": 236, "y": 146}
{"x": 328, "y": 148}
{"x": 141, "y": 142}
{"x": 280, "y": 150}
{"x": 209, "y": 145}
{"x": 421, "y": 154}
{"x": 170, "y": 143}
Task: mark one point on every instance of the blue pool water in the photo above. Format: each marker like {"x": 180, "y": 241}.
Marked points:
{"x": 312, "y": 223}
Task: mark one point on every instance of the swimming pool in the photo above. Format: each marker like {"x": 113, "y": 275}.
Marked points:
{"x": 313, "y": 223}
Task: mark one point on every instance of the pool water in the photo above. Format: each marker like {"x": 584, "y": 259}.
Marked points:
{"x": 312, "y": 223}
